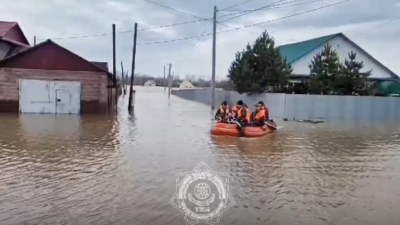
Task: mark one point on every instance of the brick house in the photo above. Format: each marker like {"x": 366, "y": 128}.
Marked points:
{"x": 48, "y": 78}
{"x": 12, "y": 39}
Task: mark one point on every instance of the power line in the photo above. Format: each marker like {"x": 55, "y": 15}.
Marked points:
{"x": 240, "y": 11}
{"x": 128, "y": 31}
{"x": 168, "y": 7}
{"x": 250, "y": 25}
{"x": 283, "y": 3}
{"x": 257, "y": 9}
{"x": 177, "y": 10}
{"x": 172, "y": 25}
{"x": 297, "y": 14}
{"x": 196, "y": 46}
{"x": 236, "y": 5}
{"x": 379, "y": 26}
{"x": 279, "y": 6}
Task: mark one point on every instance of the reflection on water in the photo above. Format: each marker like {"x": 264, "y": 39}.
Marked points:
{"x": 121, "y": 170}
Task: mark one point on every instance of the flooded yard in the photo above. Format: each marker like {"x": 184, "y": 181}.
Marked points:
{"x": 58, "y": 169}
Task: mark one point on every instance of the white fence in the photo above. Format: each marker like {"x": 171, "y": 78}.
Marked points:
{"x": 307, "y": 106}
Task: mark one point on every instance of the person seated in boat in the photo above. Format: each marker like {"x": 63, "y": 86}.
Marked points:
{"x": 268, "y": 120}
{"x": 242, "y": 116}
{"x": 258, "y": 117}
{"x": 223, "y": 112}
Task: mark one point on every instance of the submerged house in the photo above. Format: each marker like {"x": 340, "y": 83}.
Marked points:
{"x": 300, "y": 54}
{"x": 152, "y": 83}
{"x": 186, "y": 84}
{"x": 48, "y": 78}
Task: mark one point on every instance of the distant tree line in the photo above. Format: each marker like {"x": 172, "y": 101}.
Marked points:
{"x": 197, "y": 81}
{"x": 261, "y": 68}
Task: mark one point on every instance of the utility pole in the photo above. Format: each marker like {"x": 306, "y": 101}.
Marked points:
{"x": 164, "y": 81}
{"x": 115, "y": 67}
{"x": 123, "y": 78}
{"x": 169, "y": 73}
{"x": 213, "y": 58}
{"x": 131, "y": 93}
{"x": 169, "y": 81}
{"x": 34, "y": 40}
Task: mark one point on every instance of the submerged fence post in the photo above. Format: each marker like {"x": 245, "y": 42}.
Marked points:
{"x": 132, "y": 100}
{"x": 131, "y": 92}
{"x": 115, "y": 67}
{"x": 170, "y": 81}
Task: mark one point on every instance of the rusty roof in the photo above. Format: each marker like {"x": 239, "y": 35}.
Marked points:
{"x": 48, "y": 41}
{"x": 103, "y": 65}
{"x": 6, "y": 26}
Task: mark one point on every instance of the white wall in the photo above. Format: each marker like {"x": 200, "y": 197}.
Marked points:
{"x": 327, "y": 107}
{"x": 342, "y": 47}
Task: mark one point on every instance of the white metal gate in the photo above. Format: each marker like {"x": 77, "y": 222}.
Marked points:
{"x": 41, "y": 96}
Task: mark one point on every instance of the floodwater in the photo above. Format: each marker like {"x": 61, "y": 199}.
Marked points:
{"x": 121, "y": 170}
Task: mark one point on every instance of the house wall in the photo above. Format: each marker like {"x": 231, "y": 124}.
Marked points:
{"x": 186, "y": 84}
{"x": 94, "y": 97}
{"x": 4, "y": 48}
{"x": 360, "y": 108}
{"x": 343, "y": 48}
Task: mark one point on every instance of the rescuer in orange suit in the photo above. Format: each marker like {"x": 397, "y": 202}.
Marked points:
{"x": 242, "y": 116}
{"x": 259, "y": 116}
{"x": 223, "y": 112}
{"x": 270, "y": 122}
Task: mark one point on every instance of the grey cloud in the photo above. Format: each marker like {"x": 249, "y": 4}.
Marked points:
{"x": 60, "y": 18}
{"x": 355, "y": 11}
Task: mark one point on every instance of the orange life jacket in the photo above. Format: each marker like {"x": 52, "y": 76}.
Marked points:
{"x": 224, "y": 111}
{"x": 266, "y": 112}
{"x": 234, "y": 110}
{"x": 247, "y": 118}
{"x": 260, "y": 114}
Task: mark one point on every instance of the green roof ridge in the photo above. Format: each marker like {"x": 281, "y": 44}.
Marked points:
{"x": 294, "y": 51}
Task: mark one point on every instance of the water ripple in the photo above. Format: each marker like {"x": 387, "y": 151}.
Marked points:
{"x": 121, "y": 169}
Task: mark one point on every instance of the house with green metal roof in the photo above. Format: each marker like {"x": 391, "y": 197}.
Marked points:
{"x": 299, "y": 55}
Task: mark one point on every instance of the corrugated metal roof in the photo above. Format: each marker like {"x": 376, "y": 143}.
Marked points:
{"x": 294, "y": 51}
{"x": 103, "y": 65}
{"x": 3, "y": 63}
{"x": 388, "y": 87}
{"x": 6, "y": 26}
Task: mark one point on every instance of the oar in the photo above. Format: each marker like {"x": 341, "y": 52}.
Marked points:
{"x": 235, "y": 121}
{"x": 270, "y": 125}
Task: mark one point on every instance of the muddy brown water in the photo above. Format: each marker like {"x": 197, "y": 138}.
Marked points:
{"x": 120, "y": 170}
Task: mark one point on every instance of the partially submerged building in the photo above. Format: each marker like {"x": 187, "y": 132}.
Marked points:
{"x": 299, "y": 55}
{"x": 186, "y": 84}
{"x": 48, "y": 78}
{"x": 152, "y": 83}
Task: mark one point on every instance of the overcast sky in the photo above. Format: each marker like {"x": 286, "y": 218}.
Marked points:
{"x": 360, "y": 20}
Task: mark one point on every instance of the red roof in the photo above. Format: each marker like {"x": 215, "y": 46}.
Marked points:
{"x": 51, "y": 56}
{"x": 103, "y": 65}
{"x": 5, "y": 27}
{"x": 9, "y": 34}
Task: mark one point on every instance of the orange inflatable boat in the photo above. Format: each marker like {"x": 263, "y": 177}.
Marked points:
{"x": 229, "y": 129}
